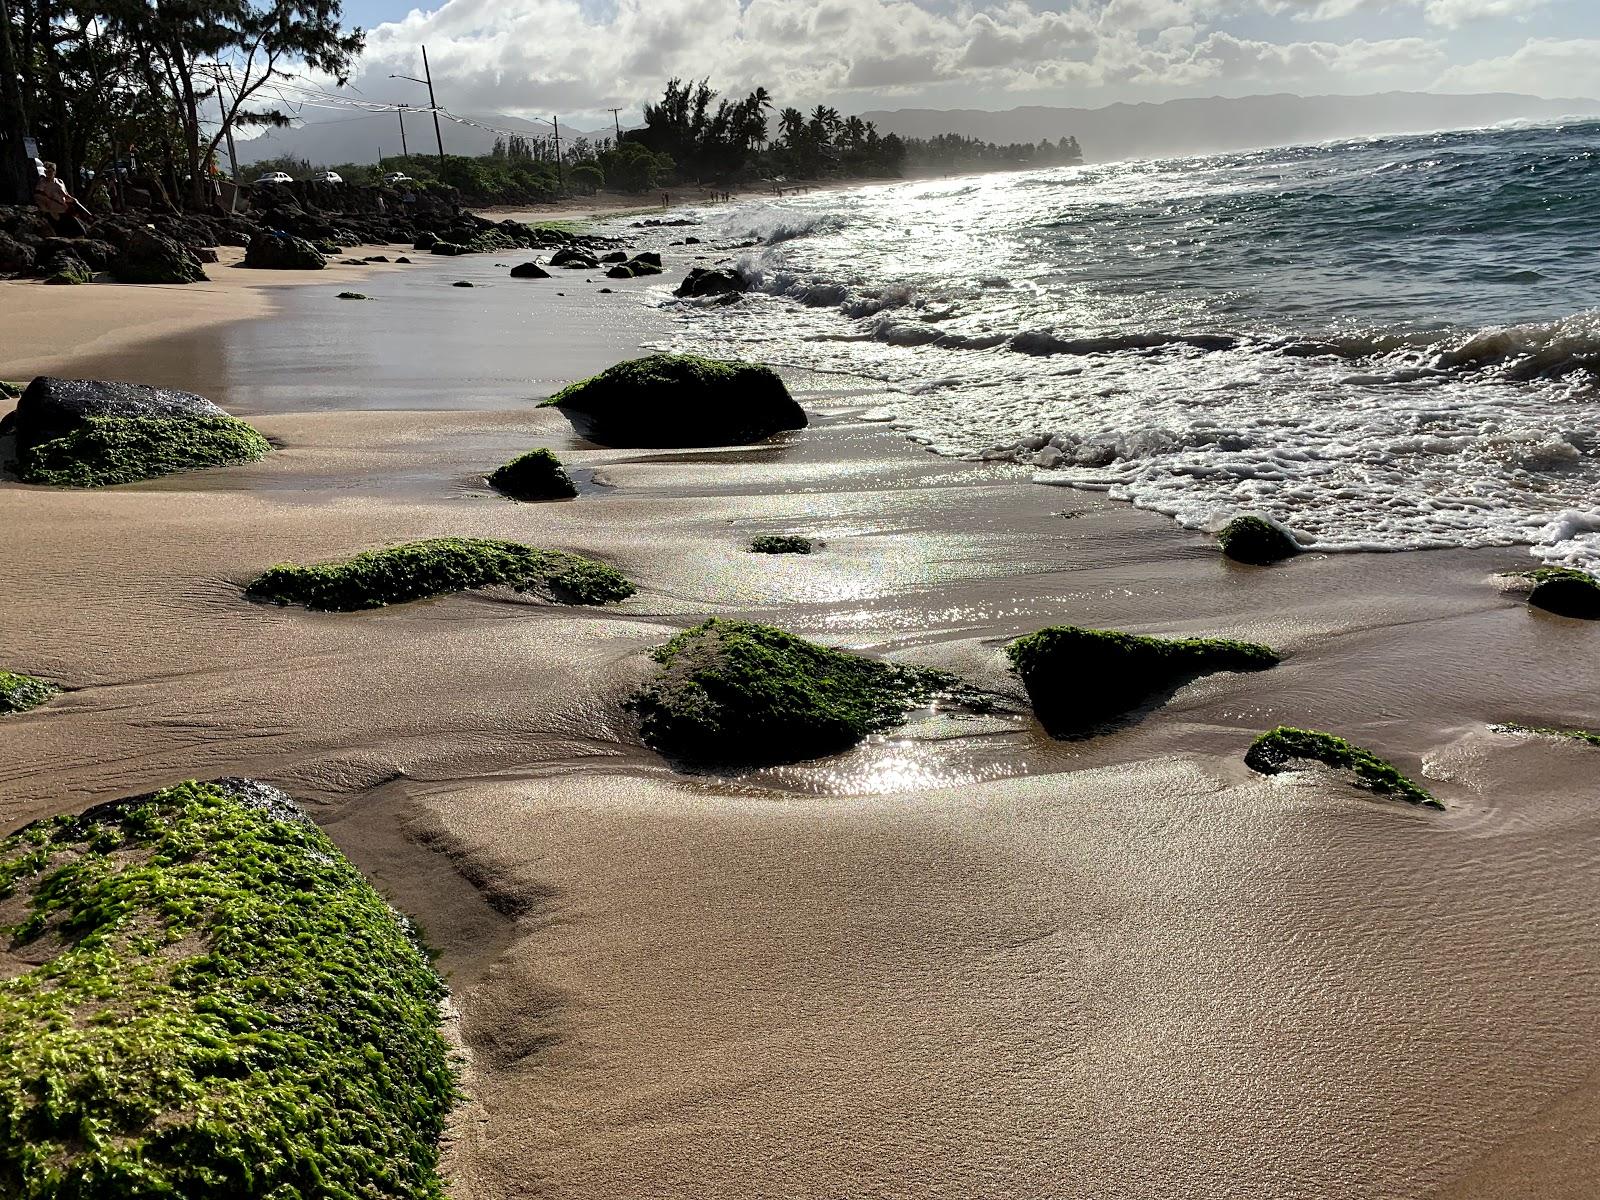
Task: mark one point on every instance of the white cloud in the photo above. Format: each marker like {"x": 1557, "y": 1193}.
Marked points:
{"x": 1450, "y": 14}
{"x": 1540, "y": 66}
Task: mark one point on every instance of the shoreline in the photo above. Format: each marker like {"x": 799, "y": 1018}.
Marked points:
{"x": 962, "y": 957}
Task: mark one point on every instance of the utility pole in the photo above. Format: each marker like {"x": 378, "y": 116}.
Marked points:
{"x": 434, "y": 104}
{"x": 401, "y": 113}
{"x": 560, "y": 180}
{"x": 616, "y": 123}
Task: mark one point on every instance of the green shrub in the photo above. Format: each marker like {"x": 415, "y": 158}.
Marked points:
{"x": 536, "y": 475}
{"x": 19, "y": 693}
{"x": 736, "y": 691}
{"x": 1078, "y": 678}
{"x": 435, "y": 567}
{"x": 221, "y": 1006}
{"x": 109, "y": 450}
{"x": 1274, "y": 750}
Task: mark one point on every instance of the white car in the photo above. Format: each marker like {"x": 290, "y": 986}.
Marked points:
{"x": 275, "y": 177}
{"x": 394, "y": 177}
{"x": 326, "y": 177}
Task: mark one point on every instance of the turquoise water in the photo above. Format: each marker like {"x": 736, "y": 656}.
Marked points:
{"x": 1391, "y": 343}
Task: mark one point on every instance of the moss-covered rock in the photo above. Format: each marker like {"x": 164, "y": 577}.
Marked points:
{"x": 271, "y": 251}
{"x": 1078, "y": 678}
{"x": 738, "y": 692}
{"x": 1257, "y": 541}
{"x": 437, "y": 567}
{"x": 1276, "y": 749}
{"x": 111, "y": 450}
{"x": 536, "y": 475}
{"x": 1584, "y": 736}
{"x": 19, "y": 693}
{"x": 218, "y": 1004}
{"x": 780, "y": 543}
{"x": 680, "y": 400}
{"x": 352, "y": 296}
{"x": 67, "y": 268}
{"x": 150, "y": 257}
{"x": 1565, "y": 592}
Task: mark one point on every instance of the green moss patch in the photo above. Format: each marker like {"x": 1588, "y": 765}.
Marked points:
{"x": 680, "y": 400}
{"x": 221, "y": 1006}
{"x": 738, "y": 692}
{"x": 1276, "y": 749}
{"x": 1565, "y": 592}
{"x": 536, "y": 475}
{"x": 436, "y": 567}
{"x": 1257, "y": 541}
{"x": 1079, "y": 678}
{"x": 102, "y": 451}
{"x": 19, "y": 693}
{"x": 1585, "y": 736}
{"x": 781, "y": 543}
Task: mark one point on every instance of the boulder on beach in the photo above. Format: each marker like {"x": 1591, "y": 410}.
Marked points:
{"x": 448, "y": 249}
{"x": 529, "y": 270}
{"x": 463, "y": 283}
{"x": 424, "y": 241}
{"x": 203, "y": 980}
{"x": 739, "y": 692}
{"x": 574, "y": 259}
{"x": 269, "y": 251}
{"x": 1565, "y": 592}
{"x": 148, "y": 257}
{"x": 711, "y": 281}
{"x": 93, "y": 433}
{"x": 437, "y": 567}
{"x": 1257, "y": 541}
{"x": 67, "y": 268}
{"x": 353, "y": 296}
{"x": 536, "y": 475}
{"x": 1080, "y": 678}
{"x": 615, "y": 256}
{"x": 16, "y": 257}
{"x": 19, "y": 693}
{"x": 781, "y": 543}
{"x": 1277, "y": 749}
{"x": 680, "y": 400}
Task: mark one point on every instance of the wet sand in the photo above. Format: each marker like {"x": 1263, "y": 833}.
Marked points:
{"x": 961, "y": 960}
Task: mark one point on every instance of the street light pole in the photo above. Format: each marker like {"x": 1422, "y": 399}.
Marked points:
{"x": 561, "y": 182}
{"x": 434, "y": 104}
{"x": 401, "y": 113}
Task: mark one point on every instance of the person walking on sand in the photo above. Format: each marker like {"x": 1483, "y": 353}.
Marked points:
{"x": 58, "y": 204}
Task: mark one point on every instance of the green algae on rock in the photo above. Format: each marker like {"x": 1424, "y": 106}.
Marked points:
{"x": 735, "y": 691}
{"x": 1274, "y": 750}
{"x": 436, "y": 567}
{"x": 1257, "y": 541}
{"x": 103, "y": 451}
{"x": 1078, "y": 678}
{"x": 352, "y": 296}
{"x": 680, "y": 400}
{"x": 216, "y": 1003}
{"x": 1565, "y": 592}
{"x": 1584, "y": 736}
{"x": 781, "y": 543}
{"x": 536, "y": 475}
{"x": 19, "y": 693}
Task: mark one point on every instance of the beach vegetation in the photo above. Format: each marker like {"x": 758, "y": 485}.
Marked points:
{"x": 216, "y": 1003}
{"x": 680, "y": 400}
{"x": 735, "y": 692}
{"x": 1585, "y": 736}
{"x": 1079, "y": 678}
{"x": 19, "y": 693}
{"x": 105, "y": 450}
{"x": 536, "y": 475}
{"x": 438, "y": 567}
{"x": 781, "y": 543}
{"x": 1278, "y": 749}
{"x": 1257, "y": 541}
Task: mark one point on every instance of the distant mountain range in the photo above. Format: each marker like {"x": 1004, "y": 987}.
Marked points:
{"x": 1206, "y": 126}
{"x": 1175, "y": 127}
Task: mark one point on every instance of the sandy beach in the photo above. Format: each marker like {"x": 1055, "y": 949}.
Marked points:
{"x": 961, "y": 960}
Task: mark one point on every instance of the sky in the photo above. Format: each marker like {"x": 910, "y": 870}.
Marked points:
{"x": 578, "y": 58}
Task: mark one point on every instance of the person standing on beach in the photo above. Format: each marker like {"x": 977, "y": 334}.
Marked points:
{"x": 58, "y": 204}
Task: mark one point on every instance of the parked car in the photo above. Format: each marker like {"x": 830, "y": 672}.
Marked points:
{"x": 326, "y": 177}
{"x": 275, "y": 177}
{"x": 394, "y": 177}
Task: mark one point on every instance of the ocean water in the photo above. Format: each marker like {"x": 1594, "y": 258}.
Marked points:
{"x": 1386, "y": 344}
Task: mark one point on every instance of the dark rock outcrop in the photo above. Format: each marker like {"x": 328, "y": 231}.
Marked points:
{"x": 711, "y": 281}
{"x": 529, "y": 270}
{"x": 149, "y": 257}
{"x": 680, "y": 400}
{"x": 65, "y": 267}
{"x": 283, "y": 252}
{"x": 1257, "y": 541}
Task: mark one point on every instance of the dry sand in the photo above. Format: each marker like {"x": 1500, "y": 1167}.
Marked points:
{"x": 963, "y": 960}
